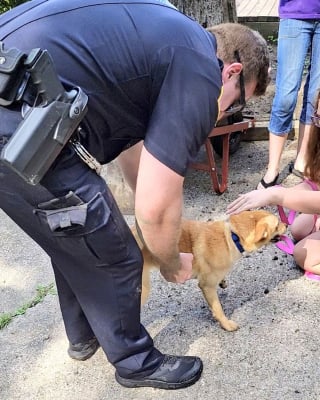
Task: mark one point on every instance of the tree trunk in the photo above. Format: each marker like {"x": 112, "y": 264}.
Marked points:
{"x": 208, "y": 12}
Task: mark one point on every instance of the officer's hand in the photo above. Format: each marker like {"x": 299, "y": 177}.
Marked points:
{"x": 183, "y": 273}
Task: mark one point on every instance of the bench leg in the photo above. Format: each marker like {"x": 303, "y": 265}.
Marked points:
{"x": 219, "y": 186}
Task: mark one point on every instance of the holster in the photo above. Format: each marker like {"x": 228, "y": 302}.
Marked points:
{"x": 41, "y": 136}
{"x": 51, "y": 120}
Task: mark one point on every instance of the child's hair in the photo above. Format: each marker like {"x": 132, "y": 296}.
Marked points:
{"x": 312, "y": 169}
{"x": 252, "y": 49}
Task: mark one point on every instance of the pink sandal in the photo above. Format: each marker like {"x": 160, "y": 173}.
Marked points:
{"x": 311, "y": 276}
{"x": 286, "y": 244}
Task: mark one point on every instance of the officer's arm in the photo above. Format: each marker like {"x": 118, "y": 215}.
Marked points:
{"x": 129, "y": 161}
{"x": 158, "y": 208}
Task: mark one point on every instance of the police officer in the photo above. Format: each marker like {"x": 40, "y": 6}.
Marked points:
{"x": 153, "y": 79}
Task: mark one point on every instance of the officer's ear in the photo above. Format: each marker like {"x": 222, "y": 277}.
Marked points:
{"x": 230, "y": 70}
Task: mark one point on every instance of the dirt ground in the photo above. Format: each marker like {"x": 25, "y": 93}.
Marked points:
{"x": 260, "y": 107}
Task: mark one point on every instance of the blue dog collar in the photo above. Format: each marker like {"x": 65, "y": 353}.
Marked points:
{"x": 236, "y": 240}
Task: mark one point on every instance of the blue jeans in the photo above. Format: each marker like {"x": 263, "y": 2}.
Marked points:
{"x": 294, "y": 40}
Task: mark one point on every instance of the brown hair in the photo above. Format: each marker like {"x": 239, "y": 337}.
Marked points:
{"x": 252, "y": 48}
{"x": 312, "y": 169}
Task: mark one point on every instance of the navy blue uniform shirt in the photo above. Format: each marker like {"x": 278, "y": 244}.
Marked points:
{"x": 151, "y": 73}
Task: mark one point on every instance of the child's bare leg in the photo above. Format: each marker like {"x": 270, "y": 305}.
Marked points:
{"x": 302, "y": 226}
{"x": 307, "y": 253}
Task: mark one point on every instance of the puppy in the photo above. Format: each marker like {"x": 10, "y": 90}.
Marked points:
{"x": 216, "y": 246}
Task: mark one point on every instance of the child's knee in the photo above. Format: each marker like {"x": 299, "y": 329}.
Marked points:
{"x": 302, "y": 226}
{"x": 298, "y": 232}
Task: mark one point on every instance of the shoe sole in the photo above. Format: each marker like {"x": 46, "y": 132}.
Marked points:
{"x": 297, "y": 173}
{"x": 77, "y": 355}
{"x": 266, "y": 185}
{"x": 131, "y": 383}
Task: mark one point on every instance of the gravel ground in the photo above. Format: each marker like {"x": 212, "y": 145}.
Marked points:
{"x": 274, "y": 355}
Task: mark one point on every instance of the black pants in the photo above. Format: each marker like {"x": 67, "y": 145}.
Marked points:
{"x": 96, "y": 261}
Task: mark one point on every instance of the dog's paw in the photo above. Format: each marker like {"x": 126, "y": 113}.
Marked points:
{"x": 230, "y": 325}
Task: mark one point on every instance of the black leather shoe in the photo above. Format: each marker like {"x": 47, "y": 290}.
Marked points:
{"x": 173, "y": 373}
{"x": 83, "y": 351}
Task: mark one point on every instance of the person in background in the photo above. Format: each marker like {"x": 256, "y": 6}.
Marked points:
{"x": 152, "y": 76}
{"x": 304, "y": 198}
{"x": 299, "y": 35}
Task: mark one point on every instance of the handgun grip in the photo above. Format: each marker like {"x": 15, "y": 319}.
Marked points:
{"x": 43, "y": 75}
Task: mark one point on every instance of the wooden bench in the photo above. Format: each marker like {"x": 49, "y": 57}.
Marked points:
{"x": 220, "y": 180}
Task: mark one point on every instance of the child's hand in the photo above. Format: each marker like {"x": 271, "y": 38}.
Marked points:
{"x": 247, "y": 201}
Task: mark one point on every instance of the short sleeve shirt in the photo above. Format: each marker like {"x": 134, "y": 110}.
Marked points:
{"x": 150, "y": 72}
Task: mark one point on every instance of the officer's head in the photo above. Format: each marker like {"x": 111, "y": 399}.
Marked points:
{"x": 245, "y": 73}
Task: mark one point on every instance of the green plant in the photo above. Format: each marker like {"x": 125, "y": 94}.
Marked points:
{"x": 272, "y": 39}
{"x": 5, "y": 5}
{"x": 42, "y": 292}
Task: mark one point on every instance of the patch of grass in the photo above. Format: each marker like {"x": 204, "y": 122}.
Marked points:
{"x": 272, "y": 39}
{"x": 6, "y": 5}
{"x": 42, "y": 292}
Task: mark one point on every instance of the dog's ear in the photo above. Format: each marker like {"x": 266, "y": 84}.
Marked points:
{"x": 261, "y": 232}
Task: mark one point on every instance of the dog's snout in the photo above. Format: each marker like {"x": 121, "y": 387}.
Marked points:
{"x": 276, "y": 238}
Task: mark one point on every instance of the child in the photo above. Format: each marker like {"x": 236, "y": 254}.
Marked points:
{"x": 305, "y": 228}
